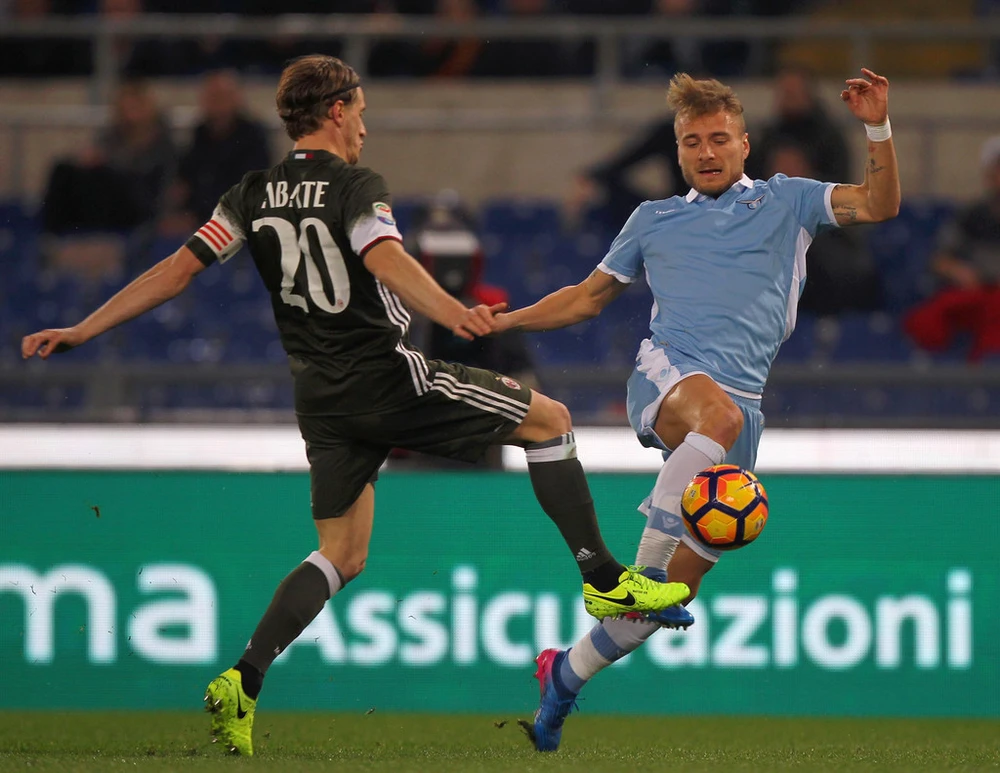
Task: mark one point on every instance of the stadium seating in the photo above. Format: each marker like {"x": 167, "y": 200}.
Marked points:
{"x": 225, "y": 319}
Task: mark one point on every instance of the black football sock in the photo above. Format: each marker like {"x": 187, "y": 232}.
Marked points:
{"x": 604, "y": 577}
{"x": 252, "y": 679}
{"x": 297, "y": 601}
{"x": 561, "y": 489}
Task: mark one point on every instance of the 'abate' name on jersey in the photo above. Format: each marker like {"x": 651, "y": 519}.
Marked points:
{"x": 277, "y": 194}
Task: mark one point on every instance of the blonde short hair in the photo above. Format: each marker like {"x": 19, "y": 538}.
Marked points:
{"x": 690, "y": 98}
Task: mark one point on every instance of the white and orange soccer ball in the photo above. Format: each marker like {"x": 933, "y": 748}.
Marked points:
{"x": 724, "y": 507}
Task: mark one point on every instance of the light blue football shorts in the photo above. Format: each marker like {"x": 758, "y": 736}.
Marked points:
{"x": 656, "y": 373}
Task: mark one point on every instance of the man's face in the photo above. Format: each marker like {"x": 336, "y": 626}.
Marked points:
{"x": 221, "y": 98}
{"x": 354, "y": 127}
{"x": 793, "y": 95}
{"x": 711, "y": 150}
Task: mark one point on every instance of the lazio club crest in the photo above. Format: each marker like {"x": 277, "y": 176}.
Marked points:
{"x": 752, "y": 203}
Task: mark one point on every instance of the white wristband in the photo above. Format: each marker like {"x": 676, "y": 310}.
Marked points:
{"x": 879, "y": 132}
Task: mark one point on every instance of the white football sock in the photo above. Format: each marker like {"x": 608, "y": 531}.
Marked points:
{"x": 612, "y": 639}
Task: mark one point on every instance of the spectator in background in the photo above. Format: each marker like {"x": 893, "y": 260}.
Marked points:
{"x": 138, "y": 57}
{"x": 450, "y": 57}
{"x": 444, "y": 239}
{"x": 433, "y": 57}
{"x": 155, "y": 56}
{"x": 800, "y": 119}
{"x": 40, "y": 57}
{"x": 226, "y": 143}
{"x": 742, "y": 57}
{"x": 663, "y": 57}
{"x": 606, "y": 191}
{"x": 967, "y": 263}
{"x": 113, "y": 186}
{"x": 529, "y": 57}
{"x": 269, "y": 55}
{"x": 604, "y": 8}
{"x": 841, "y": 273}
{"x": 117, "y": 181}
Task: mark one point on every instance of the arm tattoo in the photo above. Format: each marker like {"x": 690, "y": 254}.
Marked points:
{"x": 848, "y": 213}
{"x": 873, "y": 168}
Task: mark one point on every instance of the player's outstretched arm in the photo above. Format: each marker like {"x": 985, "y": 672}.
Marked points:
{"x": 403, "y": 274}
{"x": 566, "y": 306}
{"x": 877, "y": 198}
{"x": 160, "y": 283}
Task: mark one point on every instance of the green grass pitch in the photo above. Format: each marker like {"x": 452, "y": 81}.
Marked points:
{"x": 70, "y": 742}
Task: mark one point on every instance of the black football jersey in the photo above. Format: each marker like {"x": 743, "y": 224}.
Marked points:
{"x": 308, "y": 223}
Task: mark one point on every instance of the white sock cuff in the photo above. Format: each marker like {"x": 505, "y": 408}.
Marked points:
{"x": 656, "y": 548}
{"x": 322, "y": 563}
{"x": 704, "y": 444}
{"x": 555, "y": 450}
{"x": 585, "y": 660}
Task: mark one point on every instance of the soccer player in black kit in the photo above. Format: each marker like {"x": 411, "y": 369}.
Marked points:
{"x": 321, "y": 233}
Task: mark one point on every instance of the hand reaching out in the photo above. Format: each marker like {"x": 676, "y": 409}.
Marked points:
{"x": 868, "y": 98}
{"x": 478, "y": 321}
{"x": 502, "y": 323}
{"x": 47, "y": 342}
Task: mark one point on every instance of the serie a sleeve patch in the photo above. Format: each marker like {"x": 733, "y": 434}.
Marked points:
{"x": 372, "y": 228}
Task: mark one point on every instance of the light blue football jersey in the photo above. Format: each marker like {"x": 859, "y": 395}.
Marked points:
{"x": 725, "y": 273}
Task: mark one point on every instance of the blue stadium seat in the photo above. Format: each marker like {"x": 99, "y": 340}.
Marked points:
{"x": 162, "y": 334}
{"x": 902, "y": 248}
{"x": 52, "y": 397}
{"x": 870, "y": 338}
{"x": 801, "y": 344}
{"x": 577, "y": 345}
{"x": 517, "y": 216}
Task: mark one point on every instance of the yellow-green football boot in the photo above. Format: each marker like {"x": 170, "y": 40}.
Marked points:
{"x": 634, "y": 593}
{"x": 232, "y": 713}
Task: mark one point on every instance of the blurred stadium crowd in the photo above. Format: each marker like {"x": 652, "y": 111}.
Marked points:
{"x": 899, "y": 324}
{"x": 433, "y": 57}
{"x": 468, "y": 56}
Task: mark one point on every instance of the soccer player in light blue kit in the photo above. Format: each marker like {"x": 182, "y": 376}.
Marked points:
{"x": 726, "y": 265}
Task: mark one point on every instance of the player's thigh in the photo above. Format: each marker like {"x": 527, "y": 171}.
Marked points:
{"x": 464, "y": 412}
{"x": 344, "y": 540}
{"x": 339, "y": 466}
{"x": 693, "y": 560}
{"x": 669, "y": 396}
{"x": 698, "y": 404}
{"x": 744, "y": 451}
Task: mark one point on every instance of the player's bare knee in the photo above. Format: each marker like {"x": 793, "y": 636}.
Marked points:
{"x": 562, "y": 421}
{"x": 724, "y": 425}
{"x": 352, "y": 567}
{"x": 547, "y": 419}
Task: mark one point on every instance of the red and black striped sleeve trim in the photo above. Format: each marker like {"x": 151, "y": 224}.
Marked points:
{"x": 379, "y": 240}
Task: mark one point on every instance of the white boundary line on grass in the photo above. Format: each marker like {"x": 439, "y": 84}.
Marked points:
{"x": 601, "y": 449}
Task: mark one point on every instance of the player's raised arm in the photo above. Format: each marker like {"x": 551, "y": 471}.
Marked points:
{"x": 160, "y": 283}
{"x": 877, "y": 198}
{"x": 403, "y": 274}
{"x": 566, "y": 306}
